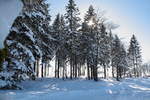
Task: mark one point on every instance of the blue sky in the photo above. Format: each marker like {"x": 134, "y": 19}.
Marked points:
{"x": 133, "y": 16}
{"x": 9, "y": 10}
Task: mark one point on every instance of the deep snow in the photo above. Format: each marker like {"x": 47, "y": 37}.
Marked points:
{"x": 9, "y": 10}
{"x": 57, "y": 89}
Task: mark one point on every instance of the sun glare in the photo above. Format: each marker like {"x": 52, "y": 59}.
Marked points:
{"x": 90, "y": 23}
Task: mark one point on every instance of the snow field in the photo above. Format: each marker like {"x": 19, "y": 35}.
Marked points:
{"x": 58, "y": 89}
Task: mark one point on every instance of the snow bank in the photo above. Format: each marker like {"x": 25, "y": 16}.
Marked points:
{"x": 57, "y": 89}
{"x": 9, "y": 10}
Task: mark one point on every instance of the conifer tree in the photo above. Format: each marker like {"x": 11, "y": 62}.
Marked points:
{"x": 59, "y": 33}
{"x": 123, "y": 65}
{"x": 116, "y": 58}
{"x": 104, "y": 49}
{"x": 72, "y": 16}
{"x": 28, "y": 41}
{"x": 73, "y": 24}
{"x": 90, "y": 33}
{"x": 119, "y": 60}
{"x": 134, "y": 57}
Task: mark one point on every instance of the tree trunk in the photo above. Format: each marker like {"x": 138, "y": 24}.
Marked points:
{"x": 42, "y": 71}
{"x": 113, "y": 72}
{"x": 88, "y": 71}
{"x": 58, "y": 68}
{"x": 104, "y": 71}
{"x": 117, "y": 78}
{"x": 56, "y": 62}
{"x": 45, "y": 70}
{"x": 37, "y": 73}
{"x": 79, "y": 70}
{"x": 76, "y": 67}
{"x": 48, "y": 70}
{"x": 95, "y": 73}
{"x": 35, "y": 67}
{"x": 71, "y": 69}
{"x": 91, "y": 71}
{"x": 63, "y": 72}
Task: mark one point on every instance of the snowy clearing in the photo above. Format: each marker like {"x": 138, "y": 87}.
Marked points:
{"x": 57, "y": 89}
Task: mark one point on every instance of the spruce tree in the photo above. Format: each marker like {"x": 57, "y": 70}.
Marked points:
{"x": 72, "y": 16}
{"x": 90, "y": 34}
{"x": 73, "y": 24}
{"x": 90, "y": 15}
{"x": 111, "y": 42}
{"x": 59, "y": 33}
{"x": 116, "y": 58}
{"x": 134, "y": 57}
{"x": 123, "y": 63}
{"x": 104, "y": 49}
{"x": 119, "y": 60}
{"x": 28, "y": 41}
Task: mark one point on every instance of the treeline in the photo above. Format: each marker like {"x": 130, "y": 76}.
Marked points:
{"x": 79, "y": 47}
{"x": 90, "y": 45}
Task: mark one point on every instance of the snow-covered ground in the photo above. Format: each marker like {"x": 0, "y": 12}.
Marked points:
{"x": 57, "y": 89}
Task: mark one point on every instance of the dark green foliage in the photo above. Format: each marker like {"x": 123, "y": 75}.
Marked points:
{"x": 3, "y": 56}
{"x": 72, "y": 16}
{"x": 134, "y": 57}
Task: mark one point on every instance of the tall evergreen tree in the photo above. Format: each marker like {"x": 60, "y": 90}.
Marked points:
{"x": 123, "y": 61}
{"x": 116, "y": 58}
{"x": 104, "y": 49}
{"x": 90, "y": 34}
{"x": 28, "y": 41}
{"x": 134, "y": 56}
{"x": 90, "y": 15}
{"x": 72, "y": 16}
{"x": 119, "y": 60}
{"x": 73, "y": 24}
{"x": 111, "y": 42}
{"x": 59, "y": 33}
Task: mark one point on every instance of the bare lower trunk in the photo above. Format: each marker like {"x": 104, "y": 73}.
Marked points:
{"x": 45, "y": 69}
{"x": 37, "y": 73}
{"x": 117, "y": 78}
{"x": 88, "y": 70}
{"x": 91, "y": 72}
{"x": 95, "y": 73}
{"x": 42, "y": 71}
{"x": 56, "y": 62}
{"x": 58, "y": 68}
{"x": 71, "y": 69}
{"x": 113, "y": 72}
{"x": 104, "y": 71}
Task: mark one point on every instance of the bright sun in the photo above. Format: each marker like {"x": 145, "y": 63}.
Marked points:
{"x": 90, "y": 23}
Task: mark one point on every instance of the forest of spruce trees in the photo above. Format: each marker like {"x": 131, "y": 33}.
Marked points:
{"x": 79, "y": 47}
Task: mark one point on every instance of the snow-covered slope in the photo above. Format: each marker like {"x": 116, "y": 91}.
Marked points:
{"x": 9, "y": 10}
{"x": 56, "y": 89}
